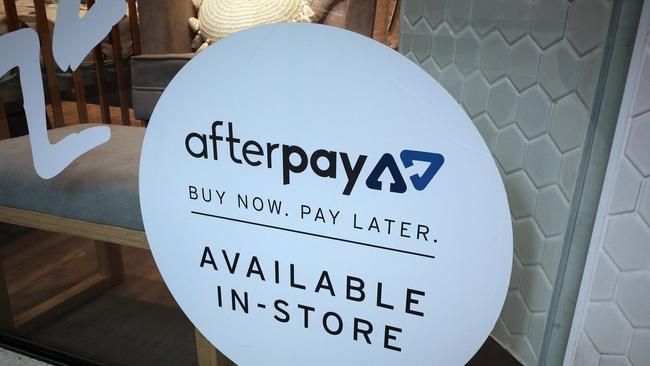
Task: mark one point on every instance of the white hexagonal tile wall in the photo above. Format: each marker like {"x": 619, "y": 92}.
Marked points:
{"x": 431, "y": 68}
{"x": 605, "y": 279}
{"x": 475, "y": 94}
{"x": 644, "y": 203}
{"x": 452, "y": 79}
{"x": 543, "y": 161}
{"x": 434, "y": 12}
{"x": 533, "y": 112}
{"x": 421, "y": 40}
{"x": 467, "y": 51}
{"x": 588, "y": 78}
{"x": 626, "y": 188}
{"x": 458, "y": 12}
{"x": 633, "y": 297}
{"x": 515, "y": 313}
{"x": 514, "y": 19}
{"x": 536, "y": 289}
{"x": 494, "y": 56}
{"x": 487, "y": 129}
{"x": 510, "y": 148}
{"x": 529, "y": 241}
{"x": 639, "y": 355}
{"x": 551, "y": 211}
{"x": 413, "y": 10}
{"x": 626, "y": 242}
{"x": 607, "y": 328}
{"x": 585, "y": 28}
{"x": 521, "y": 194}
{"x": 559, "y": 73}
{"x": 522, "y": 347}
{"x": 547, "y": 23}
{"x": 524, "y": 63}
{"x": 443, "y": 46}
{"x": 515, "y": 275}
{"x": 502, "y": 103}
{"x": 484, "y": 16}
{"x": 552, "y": 256}
{"x": 613, "y": 361}
{"x": 637, "y": 145}
{"x": 569, "y": 123}
{"x": 536, "y": 331}
{"x": 586, "y": 353}
{"x": 569, "y": 172}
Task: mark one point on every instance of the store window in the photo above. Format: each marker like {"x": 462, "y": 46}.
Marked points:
{"x": 541, "y": 80}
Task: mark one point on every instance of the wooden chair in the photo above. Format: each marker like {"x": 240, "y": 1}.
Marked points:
{"x": 97, "y": 196}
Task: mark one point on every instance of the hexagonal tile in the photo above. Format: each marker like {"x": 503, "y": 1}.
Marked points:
{"x": 586, "y": 353}
{"x": 638, "y": 354}
{"x": 421, "y": 40}
{"x": 642, "y": 104}
{"x": 467, "y": 51}
{"x": 520, "y": 346}
{"x": 528, "y": 241}
{"x": 413, "y": 10}
{"x": 644, "y": 203}
{"x": 487, "y": 130}
{"x": 458, "y": 12}
{"x": 514, "y": 17}
{"x": 543, "y": 161}
{"x": 627, "y": 184}
{"x": 607, "y": 327}
{"x": 551, "y": 211}
{"x": 559, "y": 73}
{"x": 627, "y": 241}
{"x": 569, "y": 123}
{"x": 443, "y": 46}
{"x": 431, "y": 68}
{"x": 524, "y": 63}
{"x": 484, "y": 15}
{"x": 510, "y": 148}
{"x": 551, "y": 257}
{"x": 637, "y": 145}
{"x": 405, "y": 36}
{"x": 494, "y": 56}
{"x": 569, "y": 172}
{"x": 536, "y": 289}
{"x": 501, "y": 332}
{"x": 589, "y": 75}
{"x": 521, "y": 194}
{"x": 605, "y": 278}
{"x": 547, "y": 22}
{"x": 502, "y": 103}
{"x": 515, "y": 275}
{"x": 434, "y": 12}
{"x": 533, "y": 112}
{"x": 411, "y": 56}
{"x": 536, "y": 331}
{"x": 515, "y": 314}
{"x": 633, "y": 297}
{"x": 613, "y": 361}
{"x": 452, "y": 79}
{"x": 475, "y": 94}
{"x": 585, "y": 28}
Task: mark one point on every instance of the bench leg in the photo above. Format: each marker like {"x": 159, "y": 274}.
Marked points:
{"x": 109, "y": 261}
{"x": 6, "y": 314}
{"x": 208, "y": 355}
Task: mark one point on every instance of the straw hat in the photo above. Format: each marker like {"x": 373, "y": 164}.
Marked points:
{"x": 220, "y": 18}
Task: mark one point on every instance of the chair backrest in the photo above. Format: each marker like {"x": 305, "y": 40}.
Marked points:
{"x": 53, "y": 90}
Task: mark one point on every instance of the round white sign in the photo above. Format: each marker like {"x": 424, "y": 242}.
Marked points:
{"x": 312, "y": 197}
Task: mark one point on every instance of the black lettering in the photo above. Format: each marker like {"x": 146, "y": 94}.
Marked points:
{"x": 204, "y": 151}
{"x": 352, "y": 172}
{"x": 257, "y": 151}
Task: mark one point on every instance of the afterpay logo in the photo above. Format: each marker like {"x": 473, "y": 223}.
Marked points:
{"x": 322, "y": 162}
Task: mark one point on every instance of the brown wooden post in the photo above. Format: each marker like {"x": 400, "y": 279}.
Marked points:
{"x": 6, "y": 313}
{"x": 360, "y": 16}
{"x": 119, "y": 75}
{"x": 11, "y": 14}
{"x": 207, "y": 355}
{"x": 80, "y": 96}
{"x": 4, "y": 123}
{"x": 109, "y": 261}
{"x": 98, "y": 56}
{"x": 135, "y": 27}
{"x": 50, "y": 66}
